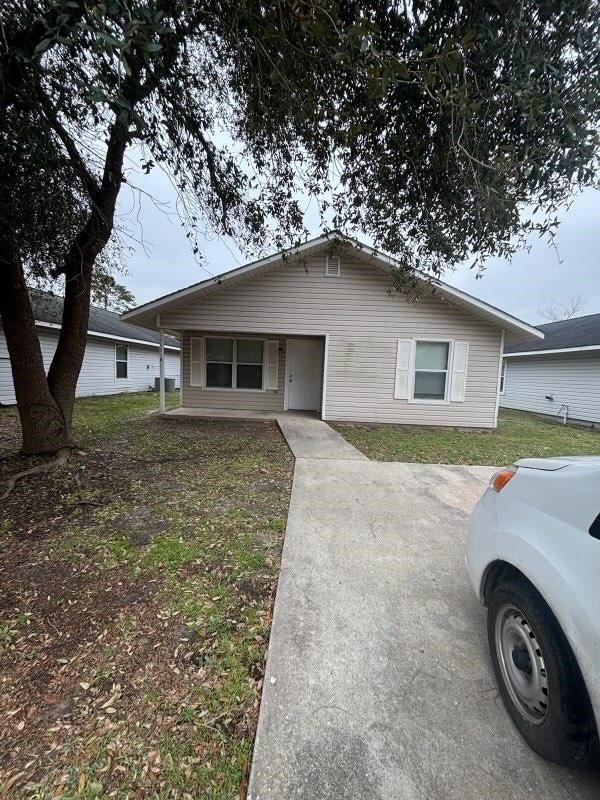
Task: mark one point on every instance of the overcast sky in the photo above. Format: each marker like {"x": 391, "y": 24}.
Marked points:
{"x": 522, "y": 287}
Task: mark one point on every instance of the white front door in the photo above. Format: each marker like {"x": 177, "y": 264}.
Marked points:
{"x": 304, "y": 370}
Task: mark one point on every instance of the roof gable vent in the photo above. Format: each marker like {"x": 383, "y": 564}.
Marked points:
{"x": 332, "y": 266}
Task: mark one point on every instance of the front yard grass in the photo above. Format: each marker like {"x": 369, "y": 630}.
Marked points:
{"x": 518, "y": 435}
{"x": 137, "y": 588}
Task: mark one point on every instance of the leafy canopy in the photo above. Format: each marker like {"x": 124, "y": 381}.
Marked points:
{"x": 428, "y": 126}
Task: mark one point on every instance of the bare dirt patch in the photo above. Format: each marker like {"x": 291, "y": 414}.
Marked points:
{"x": 137, "y": 584}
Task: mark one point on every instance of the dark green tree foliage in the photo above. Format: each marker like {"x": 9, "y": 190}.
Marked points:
{"x": 427, "y": 125}
{"x": 109, "y": 294}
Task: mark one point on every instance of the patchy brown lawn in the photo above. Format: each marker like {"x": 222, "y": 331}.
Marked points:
{"x": 136, "y": 588}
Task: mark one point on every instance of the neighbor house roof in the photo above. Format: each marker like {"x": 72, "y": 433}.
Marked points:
{"x": 568, "y": 335}
{"x": 47, "y": 310}
{"x": 149, "y": 313}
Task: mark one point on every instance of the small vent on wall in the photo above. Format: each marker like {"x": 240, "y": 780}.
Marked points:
{"x": 332, "y": 266}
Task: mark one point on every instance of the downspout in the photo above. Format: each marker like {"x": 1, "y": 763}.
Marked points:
{"x": 501, "y": 361}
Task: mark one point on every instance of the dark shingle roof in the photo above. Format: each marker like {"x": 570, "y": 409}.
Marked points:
{"x": 578, "y": 332}
{"x": 47, "y": 307}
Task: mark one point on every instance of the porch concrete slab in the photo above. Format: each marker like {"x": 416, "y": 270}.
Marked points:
{"x": 309, "y": 437}
{"x": 208, "y": 413}
{"x": 378, "y": 684}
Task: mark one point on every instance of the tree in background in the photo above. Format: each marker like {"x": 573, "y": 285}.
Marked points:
{"x": 429, "y": 126}
{"x": 109, "y": 294}
{"x": 555, "y": 312}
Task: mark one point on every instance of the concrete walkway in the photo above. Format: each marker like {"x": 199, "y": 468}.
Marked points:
{"x": 378, "y": 684}
{"x": 309, "y": 437}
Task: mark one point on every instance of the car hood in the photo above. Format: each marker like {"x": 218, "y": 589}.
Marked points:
{"x": 558, "y": 462}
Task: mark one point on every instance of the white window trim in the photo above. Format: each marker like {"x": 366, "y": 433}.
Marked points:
{"x": 411, "y": 372}
{"x": 120, "y": 361}
{"x": 503, "y": 377}
{"x": 234, "y": 364}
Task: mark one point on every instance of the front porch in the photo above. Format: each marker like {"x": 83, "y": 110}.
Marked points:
{"x": 249, "y": 375}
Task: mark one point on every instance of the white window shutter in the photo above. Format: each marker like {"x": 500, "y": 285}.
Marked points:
{"x": 402, "y": 369}
{"x": 458, "y": 383}
{"x": 272, "y": 371}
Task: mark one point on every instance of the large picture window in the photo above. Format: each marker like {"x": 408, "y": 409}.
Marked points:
{"x": 234, "y": 363}
{"x": 431, "y": 370}
{"x": 121, "y": 352}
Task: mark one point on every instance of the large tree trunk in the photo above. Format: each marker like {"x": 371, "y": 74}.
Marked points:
{"x": 44, "y": 427}
{"x": 46, "y": 403}
{"x": 68, "y": 357}
{"x": 78, "y": 267}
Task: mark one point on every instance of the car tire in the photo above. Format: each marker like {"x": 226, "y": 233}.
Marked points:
{"x": 538, "y": 676}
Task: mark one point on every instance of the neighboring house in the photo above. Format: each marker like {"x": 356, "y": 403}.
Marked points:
{"x": 559, "y": 376}
{"x": 118, "y": 357}
{"x": 317, "y": 328}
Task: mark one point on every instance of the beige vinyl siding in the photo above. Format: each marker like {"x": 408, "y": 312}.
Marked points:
{"x": 363, "y": 323}
{"x": 571, "y": 378}
{"x": 97, "y": 374}
{"x": 199, "y": 397}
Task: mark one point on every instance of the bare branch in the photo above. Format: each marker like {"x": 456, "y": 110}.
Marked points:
{"x": 556, "y": 312}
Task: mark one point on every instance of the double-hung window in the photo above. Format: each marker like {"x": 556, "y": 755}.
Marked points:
{"x": 431, "y": 370}
{"x": 234, "y": 363}
{"x": 503, "y": 377}
{"x": 121, "y": 353}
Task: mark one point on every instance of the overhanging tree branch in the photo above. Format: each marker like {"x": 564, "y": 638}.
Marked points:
{"x": 88, "y": 179}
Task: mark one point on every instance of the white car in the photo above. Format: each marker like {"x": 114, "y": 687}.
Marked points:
{"x": 534, "y": 560}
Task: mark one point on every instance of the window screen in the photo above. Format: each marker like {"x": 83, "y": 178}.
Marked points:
{"x": 121, "y": 352}
{"x": 431, "y": 370}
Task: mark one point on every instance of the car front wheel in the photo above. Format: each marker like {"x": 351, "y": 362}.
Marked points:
{"x": 538, "y": 677}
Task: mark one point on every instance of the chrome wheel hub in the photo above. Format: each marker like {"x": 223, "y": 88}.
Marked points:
{"x": 521, "y": 664}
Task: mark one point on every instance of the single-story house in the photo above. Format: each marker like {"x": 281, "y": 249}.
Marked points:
{"x": 119, "y": 357}
{"x": 318, "y": 328}
{"x": 560, "y": 375}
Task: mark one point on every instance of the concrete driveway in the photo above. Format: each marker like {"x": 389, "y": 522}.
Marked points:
{"x": 378, "y": 683}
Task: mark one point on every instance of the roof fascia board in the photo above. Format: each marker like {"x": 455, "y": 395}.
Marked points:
{"x": 182, "y": 294}
{"x": 584, "y": 349}
{"x": 389, "y": 261}
{"x": 57, "y": 327}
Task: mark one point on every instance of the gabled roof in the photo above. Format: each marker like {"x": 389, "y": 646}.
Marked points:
{"x": 149, "y": 313}
{"x": 570, "y": 335}
{"x": 47, "y": 311}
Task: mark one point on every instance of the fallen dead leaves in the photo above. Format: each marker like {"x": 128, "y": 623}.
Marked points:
{"x": 121, "y": 680}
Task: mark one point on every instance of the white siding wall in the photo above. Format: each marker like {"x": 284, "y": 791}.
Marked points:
{"x": 572, "y": 379}
{"x": 363, "y": 323}
{"x": 97, "y": 374}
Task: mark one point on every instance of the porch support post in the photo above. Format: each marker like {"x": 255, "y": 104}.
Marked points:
{"x": 162, "y": 405}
